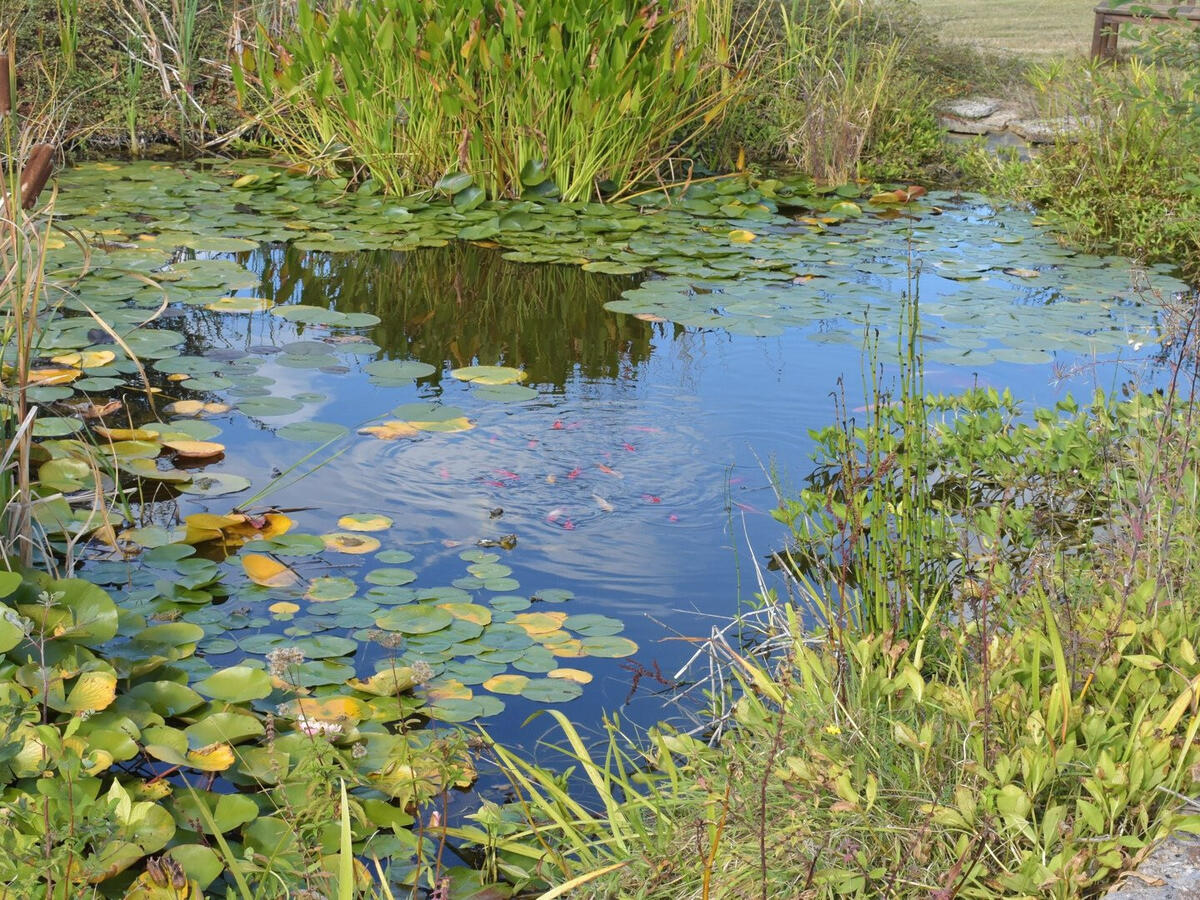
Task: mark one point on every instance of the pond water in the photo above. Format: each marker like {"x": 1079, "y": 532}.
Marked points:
{"x": 623, "y": 486}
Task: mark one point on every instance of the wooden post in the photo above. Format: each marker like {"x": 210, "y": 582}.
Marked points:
{"x": 36, "y": 173}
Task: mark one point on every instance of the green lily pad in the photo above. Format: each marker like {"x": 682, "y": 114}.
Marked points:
{"x": 489, "y": 375}
{"x": 237, "y": 684}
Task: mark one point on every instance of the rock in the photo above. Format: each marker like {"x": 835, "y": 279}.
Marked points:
{"x": 971, "y": 108}
{"x": 1170, "y": 872}
{"x": 1044, "y": 131}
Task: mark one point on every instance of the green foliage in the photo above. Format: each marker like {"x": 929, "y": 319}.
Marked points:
{"x": 1028, "y": 732}
{"x": 480, "y": 100}
{"x": 1124, "y": 179}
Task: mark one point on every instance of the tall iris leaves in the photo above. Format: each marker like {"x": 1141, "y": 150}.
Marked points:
{"x": 409, "y": 90}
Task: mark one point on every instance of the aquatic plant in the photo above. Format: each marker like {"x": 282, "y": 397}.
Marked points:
{"x": 548, "y": 99}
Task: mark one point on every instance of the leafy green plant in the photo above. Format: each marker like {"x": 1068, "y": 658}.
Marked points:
{"x": 1121, "y": 177}
{"x": 551, "y": 98}
{"x": 68, "y": 31}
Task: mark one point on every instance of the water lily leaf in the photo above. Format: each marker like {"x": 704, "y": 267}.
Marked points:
{"x": 330, "y": 589}
{"x": 340, "y": 710}
{"x": 195, "y": 449}
{"x": 215, "y": 484}
{"x": 489, "y": 374}
{"x": 346, "y": 542}
{"x": 608, "y": 646}
{"x": 504, "y": 393}
{"x": 551, "y": 690}
{"x": 387, "y": 682}
{"x": 268, "y": 572}
{"x": 236, "y": 684}
{"x": 226, "y": 811}
{"x": 284, "y": 609}
{"x": 266, "y": 407}
{"x": 241, "y": 305}
{"x": 453, "y": 182}
{"x": 415, "y": 619}
{"x": 576, "y": 675}
{"x": 86, "y": 359}
{"x": 125, "y": 434}
{"x": 94, "y": 690}
{"x": 294, "y": 545}
{"x": 391, "y": 577}
{"x": 326, "y": 645}
{"x": 223, "y": 728}
{"x": 195, "y": 408}
{"x": 506, "y": 684}
{"x": 201, "y": 864}
{"x": 592, "y": 624}
{"x": 399, "y": 369}
{"x": 56, "y": 426}
{"x": 741, "y": 236}
{"x": 469, "y": 612}
{"x": 391, "y": 431}
{"x": 453, "y": 710}
{"x": 537, "y": 624}
{"x": 365, "y": 522}
{"x": 49, "y": 376}
{"x": 167, "y": 698}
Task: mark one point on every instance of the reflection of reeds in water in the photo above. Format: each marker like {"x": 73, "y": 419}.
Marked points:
{"x": 462, "y": 304}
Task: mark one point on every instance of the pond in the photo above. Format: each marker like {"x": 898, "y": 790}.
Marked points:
{"x": 538, "y": 461}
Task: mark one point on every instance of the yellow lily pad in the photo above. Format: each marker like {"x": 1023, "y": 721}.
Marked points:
{"x": 263, "y": 570}
{"x": 576, "y": 675}
{"x": 195, "y": 449}
{"x": 196, "y": 408}
{"x": 284, "y": 608}
{"x": 391, "y": 430}
{"x": 345, "y": 542}
{"x": 86, "y": 359}
{"x": 365, "y": 522}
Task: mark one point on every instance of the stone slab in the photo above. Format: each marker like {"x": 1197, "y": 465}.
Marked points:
{"x": 1170, "y": 872}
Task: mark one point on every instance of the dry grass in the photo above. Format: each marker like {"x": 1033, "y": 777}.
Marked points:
{"x": 1034, "y": 28}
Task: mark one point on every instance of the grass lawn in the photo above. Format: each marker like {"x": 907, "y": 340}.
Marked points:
{"x": 1030, "y": 27}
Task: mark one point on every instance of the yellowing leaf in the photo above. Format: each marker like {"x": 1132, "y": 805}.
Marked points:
{"x": 343, "y": 542}
{"x": 448, "y": 689}
{"x": 571, "y": 649}
{"x": 178, "y": 376}
{"x": 469, "y": 612}
{"x": 284, "y": 608}
{"x": 195, "y": 449}
{"x": 448, "y": 426}
{"x": 387, "y": 683}
{"x": 125, "y": 434}
{"x": 365, "y": 522}
{"x": 213, "y": 758}
{"x": 742, "y": 236}
{"x": 576, "y": 675}
{"x": 195, "y": 408}
{"x": 93, "y": 690}
{"x": 391, "y": 431}
{"x": 539, "y": 623}
{"x": 53, "y": 376}
{"x": 340, "y": 710}
{"x": 506, "y": 684}
{"x": 87, "y": 359}
{"x": 267, "y": 572}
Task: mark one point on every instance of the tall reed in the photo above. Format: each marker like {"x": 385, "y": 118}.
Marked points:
{"x": 518, "y": 97}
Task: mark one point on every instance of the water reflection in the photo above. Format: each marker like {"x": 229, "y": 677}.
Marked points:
{"x": 461, "y": 304}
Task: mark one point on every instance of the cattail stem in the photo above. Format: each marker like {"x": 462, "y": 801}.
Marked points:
{"x": 6, "y": 85}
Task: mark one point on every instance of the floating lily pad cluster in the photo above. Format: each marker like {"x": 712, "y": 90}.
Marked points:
{"x": 478, "y": 637}
{"x": 137, "y": 704}
{"x": 747, "y": 256}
